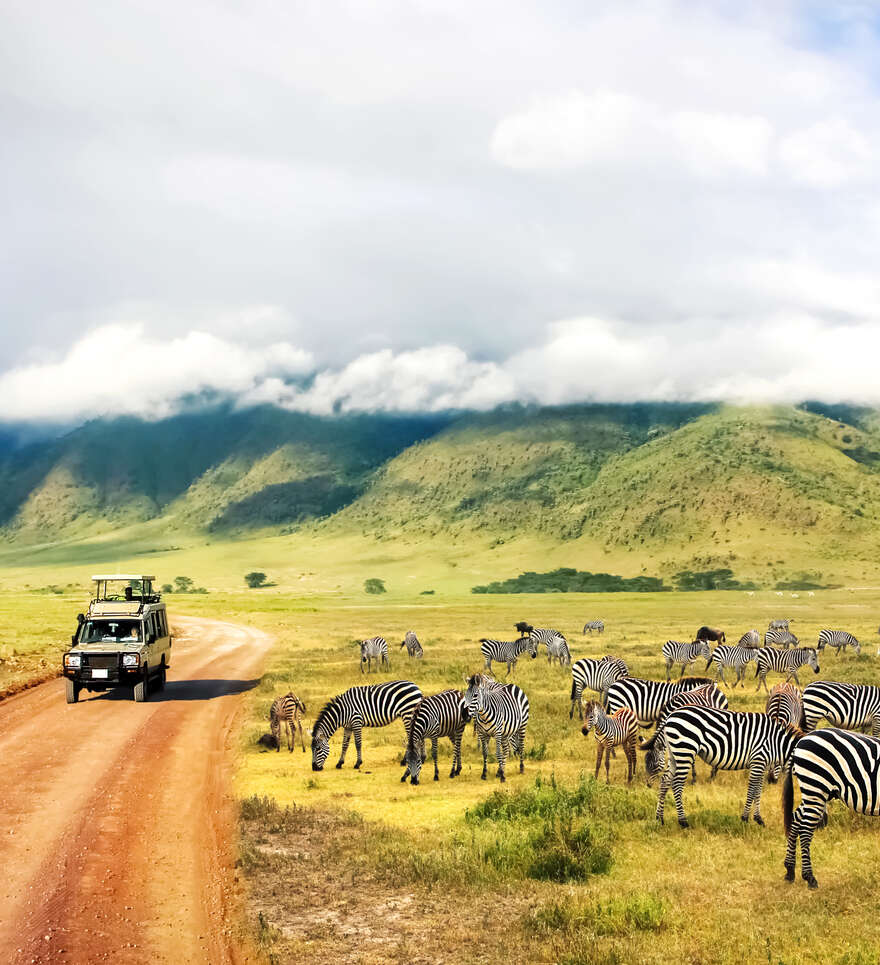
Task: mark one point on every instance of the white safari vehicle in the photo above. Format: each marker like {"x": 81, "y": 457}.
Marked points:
{"x": 123, "y": 641}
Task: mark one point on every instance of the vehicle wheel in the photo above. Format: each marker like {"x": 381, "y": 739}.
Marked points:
{"x": 142, "y": 688}
{"x": 73, "y": 689}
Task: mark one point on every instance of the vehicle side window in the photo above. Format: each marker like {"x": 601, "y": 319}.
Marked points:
{"x": 163, "y": 624}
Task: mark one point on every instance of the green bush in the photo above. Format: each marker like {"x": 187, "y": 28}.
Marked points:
{"x": 255, "y": 579}
{"x": 569, "y": 580}
{"x": 374, "y": 585}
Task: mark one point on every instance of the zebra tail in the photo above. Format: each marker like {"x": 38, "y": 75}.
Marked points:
{"x": 573, "y": 689}
{"x": 788, "y": 800}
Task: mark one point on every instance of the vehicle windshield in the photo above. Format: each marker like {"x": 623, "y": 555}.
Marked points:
{"x": 115, "y": 631}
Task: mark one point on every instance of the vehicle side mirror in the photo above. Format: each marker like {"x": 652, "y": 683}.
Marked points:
{"x": 73, "y": 639}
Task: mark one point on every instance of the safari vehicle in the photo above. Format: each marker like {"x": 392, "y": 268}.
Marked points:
{"x": 123, "y": 641}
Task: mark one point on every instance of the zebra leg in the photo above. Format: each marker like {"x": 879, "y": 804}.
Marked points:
{"x": 684, "y": 666}
{"x": 607, "y": 766}
{"x": 791, "y": 845}
{"x": 301, "y": 738}
{"x": 631, "y": 759}
{"x": 599, "y": 752}
{"x": 357, "y": 744}
{"x": 753, "y": 795}
{"x": 484, "y": 746}
{"x": 808, "y": 826}
{"x": 795, "y": 676}
{"x": 346, "y": 737}
{"x": 576, "y": 700}
{"x": 522, "y": 750}
{"x": 681, "y": 768}
{"x": 763, "y": 681}
{"x": 719, "y": 672}
{"x": 501, "y": 754}
{"x": 288, "y": 727}
{"x": 669, "y": 666}
{"x": 456, "y": 755}
{"x": 488, "y": 664}
{"x": 434, "y": 755}
{"x": 661, "y": 797}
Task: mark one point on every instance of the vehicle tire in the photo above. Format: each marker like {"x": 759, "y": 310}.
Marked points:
{"x": 73, "y": 689}
{"x": 142, "y": 687}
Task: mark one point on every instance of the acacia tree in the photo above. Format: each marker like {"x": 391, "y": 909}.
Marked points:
{"x": 374, "y": 585}
{"x": 255, "y": 579}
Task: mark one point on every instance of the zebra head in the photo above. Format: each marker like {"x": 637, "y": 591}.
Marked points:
{"x": 275, "y": 726}
{"x": 533, "y": 646}
{"x": 704, "y": 650}
{"x": 812, "y": 660}
{"x": 655, "y": 758}
{"x": 413, "y": 762}
{"x": 474, "y": 697}
{"x": 591, "y": 717}
{"x": 320, "y": 748}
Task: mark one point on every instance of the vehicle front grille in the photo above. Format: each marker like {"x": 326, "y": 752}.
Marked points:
{"x": 102, "y": 661}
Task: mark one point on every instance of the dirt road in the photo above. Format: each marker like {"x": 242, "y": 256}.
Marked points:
{"x": 116, "y": 819}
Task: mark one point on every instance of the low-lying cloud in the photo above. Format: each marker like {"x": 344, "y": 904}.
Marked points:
{"x": 120, "y": 370}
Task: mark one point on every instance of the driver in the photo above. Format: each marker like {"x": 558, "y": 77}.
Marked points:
{"x": 134, "y": 635}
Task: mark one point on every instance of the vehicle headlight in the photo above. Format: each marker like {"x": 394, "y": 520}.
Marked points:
{"x": 72, "y": 659}
{"x": 130, "y": 659}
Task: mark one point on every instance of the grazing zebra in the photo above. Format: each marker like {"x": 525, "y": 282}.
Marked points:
{"x": 784, "y": 661}
{"x": 507, "y": 651}
{"x": 441, "y": 715}
{"x": 780, "y": 637}
{"x": 597, "y": 675}
{"x": 655, "y": 758}
{"x": 736, "y": 657}
{"x": 376, "y": 648}
{"x": 372, "y": 705}
{"x": 597, "y": 625}
{"x": 551, "y": 640}
{"x": 612, "y": 730}
{"x": 413, "y": 647}
{"x": 852, "y": 706}
{"x": 683, "y": 653}
{"x": 500, "y": 711}
{"x": 287, "y": 710}
{"x": 729, "y": 740}
{"x": 648, "y": 698}
{"x": 711, "y": 633}
{"x": 839, "y": 639}
{"x": 828, "y": 764}
{"x": 785, "y": 705}
{"x": 751, "y": 639}
{"x": 778, "y": 624}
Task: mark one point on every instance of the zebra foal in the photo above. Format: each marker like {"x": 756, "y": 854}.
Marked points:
{"x": 441, "y": 715}
{"x": 376, "y": 648}
{"x": 413, "y": 647}
{"x": 683, "y": 653}
{"x": 287, "y": 710}
{"x": 780, "y": 637}
{"x": 612, "y": 730}
{"x": 507, "y": 651}
{"x": 786, "y": 662}
{"x": 500, "y": 711}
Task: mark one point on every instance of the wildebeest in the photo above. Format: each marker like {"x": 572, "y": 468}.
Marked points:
{"x": 711, "y": 633}
{"x": 523, "y": 628}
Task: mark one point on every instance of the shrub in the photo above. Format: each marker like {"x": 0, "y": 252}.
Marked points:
{"x": 374, "y": 585}
{"x": 255, "y": 579}
{"x": 182, "y": 584}
{"x": 167, "y": 588}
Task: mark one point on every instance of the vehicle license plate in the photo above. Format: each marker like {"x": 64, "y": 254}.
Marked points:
{"x": 99, "y": 675}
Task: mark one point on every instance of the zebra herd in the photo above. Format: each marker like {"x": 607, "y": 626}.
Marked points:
{"x": 691, "y": 716}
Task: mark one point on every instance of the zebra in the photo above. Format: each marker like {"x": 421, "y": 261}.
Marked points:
{"x": 612, "y": 730}
{"x": 413, "y": 647}
{"x": 376, "y": 648}
{"x": 708, "y": 695}
{"x": 828, "y": 764}
{"x": 500, "y": 711}
{"x": 371, "y": 705}
{"x": 555, "y": 642}
{"x": 441, "y": 715}
{"x": 648, "y": 698}
{"x": 287, "y": 710}
{"x": 507, "y": 651}
{"x": 778, "y": 624}
{"x": 780, "y": 637}
{"x": 597, "y": 675}
{"x": 683, "y": 653}
{"x": 597, "y": 625}
{"x": 736, "y": 657}
{"x": 852, "y": 706}
{"x": 730, "y": 740}
{"x": 784, "y": 661}
{"x": 785, "y": 705}
{"x": 750, "y": 640}
{"x": 839, "y": 639}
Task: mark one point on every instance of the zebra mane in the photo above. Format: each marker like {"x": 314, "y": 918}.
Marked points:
{"x": 324, "y": 714}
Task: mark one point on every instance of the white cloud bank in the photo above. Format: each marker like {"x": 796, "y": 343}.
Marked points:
{"x": 118, "y": 370}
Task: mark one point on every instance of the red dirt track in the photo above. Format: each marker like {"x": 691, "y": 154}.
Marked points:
{"x": 117, "y": 822}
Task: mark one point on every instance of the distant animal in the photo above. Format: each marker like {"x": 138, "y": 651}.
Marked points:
{"x": 507, "y": 651}
{"x": 556, "y": 644}
{"x": 500, "y": 711}
{"x": 612, "y": 730}
{"x": 287, "y": 710}
{"x": 599, "y": 626}
{"x": 376, "y": 648}
{"x": 523, "y": 628}
{"x": 750, "y": 593}
{"x": 780, "y": 637}
{"x": 828, "y": 764}
{"x": 730, "y": 740}
{"x": 786, "y": 662}
{"x": 372, "y": 705}
{"x": 785, "y": 705}
{"x": 795, "y": 596}
{"x": 596, "y": 675}
{"x": 647, "y": 699}
{"x": 852, "y": 706}
{"x": 778, "y": 624}
{"x": 441, "y": 715}
{"x": 751, "y": 639}
{"x": 779, "y": 593}
{"x": 413, "y": 647}
{"x": 711, "y": 633}
{"x": 839, "y": 639}
{"x": 684, "y": 653}
{"x": 810, "y": 593}
{"x": 735, "y": 657}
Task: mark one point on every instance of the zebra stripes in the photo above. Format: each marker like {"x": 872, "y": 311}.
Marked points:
{"x": 413, "y": 647}
{"x": 780, "y": 637}
{"x": 597, "y": 675}
{"x": 852, "y": 706}
{"x": 376, "y": 648}
{"x": 597, "y": 625}
{"x": 507, "y": 651}
{"x": 785, "y": 705}
{"x": 785, "y": 662}
{"x": 778, "y": 625}
{"x": 750, "y": 640}
{"x": 556, "y": 644}
{"x": 441, "y": 715}
{"x": 736, "y": 657}
{"x": 828, "y": 764}
{"x": 728, "y": 740}
{"x": 839, "y": 639}
{"x": 683, "y": 653}
{"x": 612, "y": 730}
{"x": 500, "y": 711}
{"x": 372, "y": 705}
{"x": 648, "y": 698}
{"x": 287, "y": 710}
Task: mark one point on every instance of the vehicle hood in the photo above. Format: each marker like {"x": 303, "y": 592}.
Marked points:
{"x": 106, "y": 646}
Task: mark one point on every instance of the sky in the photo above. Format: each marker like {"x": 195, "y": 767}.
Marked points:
{"x": 433, "y": 204}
